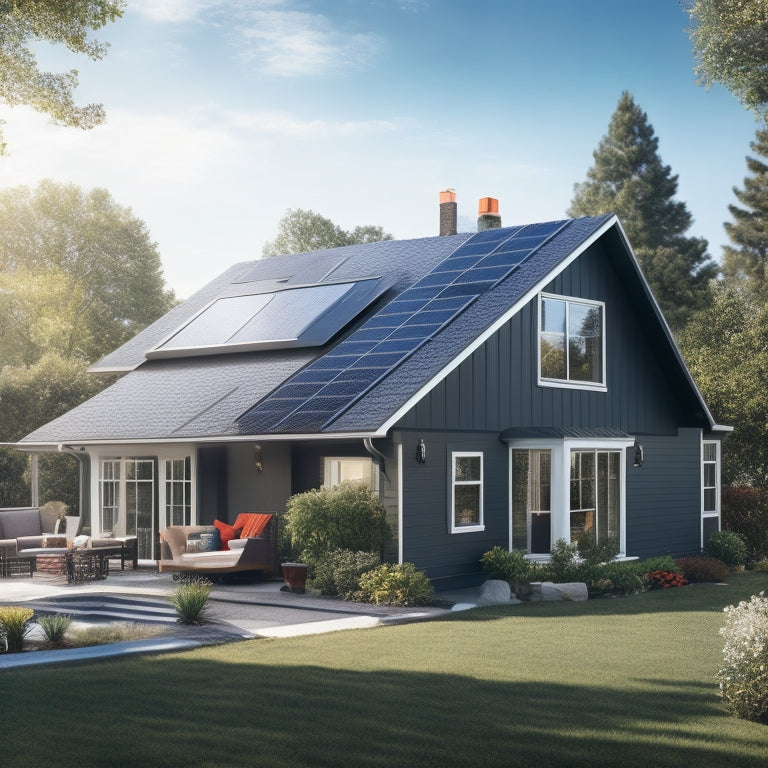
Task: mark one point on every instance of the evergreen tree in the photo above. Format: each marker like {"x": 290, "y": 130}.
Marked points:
{"x": 749, "y": 231}
{"x": 629, "y": 178}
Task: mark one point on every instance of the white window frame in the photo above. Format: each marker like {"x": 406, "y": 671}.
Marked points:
{"x": 560, "y": 497}
{"x": 716, "y": 513}
{"x": 480, "y": 525}
{"x": 593, "y": 386}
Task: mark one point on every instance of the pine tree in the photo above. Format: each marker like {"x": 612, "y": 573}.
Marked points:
{"x": 629, "y": 178}
{"x": 749, "y": 263}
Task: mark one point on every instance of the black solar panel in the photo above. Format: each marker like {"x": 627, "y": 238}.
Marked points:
{"x": 343, "y": 375}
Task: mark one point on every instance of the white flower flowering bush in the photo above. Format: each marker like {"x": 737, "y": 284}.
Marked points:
{"x": 743, "y": 677}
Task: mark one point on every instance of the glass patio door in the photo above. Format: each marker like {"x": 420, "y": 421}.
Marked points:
{"x": 140, "y": 503}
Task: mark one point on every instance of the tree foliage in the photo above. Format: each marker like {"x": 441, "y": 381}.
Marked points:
{"x": 749, "y": 230}
{"x": 24, "y": 23}
{"x": 79, "y": 274}
{"x": 730, "y": 43}
{"x": 30, "y": 396}
{"x": 300, "y": 231}
{"x": 724, "y": 347}
{"x": 629, "y": 178}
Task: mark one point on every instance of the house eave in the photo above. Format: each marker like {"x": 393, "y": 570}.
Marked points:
{"x": 42, "y": 446}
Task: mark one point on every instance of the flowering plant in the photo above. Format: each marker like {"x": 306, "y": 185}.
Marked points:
{"x": 665, "y": 579}
{"x": 743, "y": 678}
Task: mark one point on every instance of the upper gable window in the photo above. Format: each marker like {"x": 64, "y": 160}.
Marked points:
{"x": 571, "y": 342}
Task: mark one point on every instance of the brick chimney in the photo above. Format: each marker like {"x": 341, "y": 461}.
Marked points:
{"x": 447, "y": 212}
{"x": 488, "y": 216}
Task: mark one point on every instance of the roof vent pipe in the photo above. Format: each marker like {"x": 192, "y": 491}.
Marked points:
{"x": 488, "y": 216}
{"x": 447, "y": 212}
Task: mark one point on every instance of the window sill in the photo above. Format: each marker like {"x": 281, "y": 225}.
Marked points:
{"x": 467, "y": 528}
{"x": 582, "y": 385}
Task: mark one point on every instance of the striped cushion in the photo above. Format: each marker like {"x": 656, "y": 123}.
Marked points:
{"x": 252, "y": 523}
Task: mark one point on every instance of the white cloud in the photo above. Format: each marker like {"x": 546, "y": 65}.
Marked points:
{"x": 284, "y": 124}
{"x": 173, "y": 10}
{"x": 291, "y": 43}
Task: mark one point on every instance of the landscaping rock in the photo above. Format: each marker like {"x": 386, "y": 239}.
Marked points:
{"x": 548, "y": 591}
{"x": 495, "y": 592}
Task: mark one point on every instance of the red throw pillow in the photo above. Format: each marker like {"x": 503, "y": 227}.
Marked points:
{"x": 227, "y": 533}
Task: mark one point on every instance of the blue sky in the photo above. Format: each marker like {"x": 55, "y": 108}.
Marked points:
{"x": 222, "y": 114}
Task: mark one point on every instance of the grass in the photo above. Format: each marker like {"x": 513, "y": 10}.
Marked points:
{"x": 622, "y": 682}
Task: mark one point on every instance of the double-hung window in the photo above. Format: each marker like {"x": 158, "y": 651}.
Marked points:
{"x": 466, "y": 492}
{"x": 710, "y": 489}
{"x": 571, "y": 342}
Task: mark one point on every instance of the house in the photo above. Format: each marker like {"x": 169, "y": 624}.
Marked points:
{"x": 508, "y": 387}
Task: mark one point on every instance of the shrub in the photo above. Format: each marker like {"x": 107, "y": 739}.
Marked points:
{"x": 339, "y": 572}
{"x": 703, "y": 568}
{"x": 662, "y": 563}
{"x": 745, "y": 511}
{"x": 396, "y": 585}
{"x": 616, "y": 579}
{"x": 506, "y": 566}
{"x": 743, "y": 678}
{"x": 345, "y": 517}
{"x": 54, "y": 628}
{"x": 191, "y": 600}
{"x": 593, "y": 553}
{"x": 562, "y": 566}
{"x": 665, "y": 579}
{"x": 728, "y": 547}
{"x": 762, "y": 566}
{"x": 106, "y": 634}
{"x": 15, "y": 623}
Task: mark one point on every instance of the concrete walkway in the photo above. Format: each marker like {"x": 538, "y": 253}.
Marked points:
{"x": 235, "y": 612}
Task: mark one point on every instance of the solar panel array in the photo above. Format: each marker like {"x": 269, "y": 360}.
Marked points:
{"x": 311, "y": 399}
{"x": 293, "y": 317}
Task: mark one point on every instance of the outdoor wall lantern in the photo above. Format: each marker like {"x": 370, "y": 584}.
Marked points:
{"x": 258, "y": 458}
{"x": 639, "y": 455}
{"x": 421, "y": 452}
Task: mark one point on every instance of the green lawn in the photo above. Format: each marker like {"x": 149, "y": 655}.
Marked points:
{"x": 623, "y": 682}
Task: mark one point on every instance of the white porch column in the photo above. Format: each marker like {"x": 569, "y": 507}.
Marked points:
{"x": 561, "y": 498}
{"x": 34, "y": 477}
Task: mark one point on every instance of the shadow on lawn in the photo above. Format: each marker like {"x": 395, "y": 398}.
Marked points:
{"x": 190, "y": 711}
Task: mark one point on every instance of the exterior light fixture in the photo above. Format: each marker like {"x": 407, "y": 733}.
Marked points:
{"x": 421, "y": 452}
{"x": 639, "y": 455}
{"x": 258, "y": 458}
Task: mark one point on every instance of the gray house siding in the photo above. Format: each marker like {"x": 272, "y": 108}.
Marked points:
{"x": 251, "y": 490}
{"x": 664, "y": 497}
{"x": 496, "y": 387}
{"x": 427, "y": 541}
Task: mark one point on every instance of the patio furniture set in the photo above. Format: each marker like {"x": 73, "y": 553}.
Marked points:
{"x": 26, "y": 547}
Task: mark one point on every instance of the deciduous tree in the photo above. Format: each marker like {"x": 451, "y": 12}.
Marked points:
{"x": 300, "y": 231}
{"x": 79, "y": 273}
{"x": 730, "y": 43}
{"x": 629, "y": 178}
{"x": 24, "y": 23}
{"x": 30, "y": 396}
{"x": 724, "y": 347}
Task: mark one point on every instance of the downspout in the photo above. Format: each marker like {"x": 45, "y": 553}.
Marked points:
{"x": 378, "y": 456}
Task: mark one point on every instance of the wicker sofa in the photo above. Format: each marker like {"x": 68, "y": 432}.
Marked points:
{"x": 23, "y": 528}
{"x": 256, "y": 552}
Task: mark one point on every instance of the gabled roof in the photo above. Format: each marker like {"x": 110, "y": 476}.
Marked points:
{"x": 442, "y": 298}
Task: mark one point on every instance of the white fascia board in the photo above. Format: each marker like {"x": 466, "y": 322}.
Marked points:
{"x": 494, "y": 327}
{"x": 24, "y": 446}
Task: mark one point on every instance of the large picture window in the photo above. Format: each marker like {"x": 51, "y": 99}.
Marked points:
{"x": 571, "y": 342}
{"x": 570, "y": 489}
{"x": 467, "y": 492}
